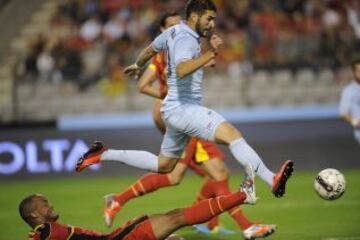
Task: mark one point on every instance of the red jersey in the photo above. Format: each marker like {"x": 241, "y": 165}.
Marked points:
{"x": 198, "y": 151}
{"x": 57, "y": 231}
{"x": 138, "y": 229}
{"x": 158, "y": 64}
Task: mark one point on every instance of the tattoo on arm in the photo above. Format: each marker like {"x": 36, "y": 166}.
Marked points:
{"x": 145, "y": 56}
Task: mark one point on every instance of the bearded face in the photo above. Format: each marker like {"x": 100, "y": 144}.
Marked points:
{"x": 356, "y": 71}
{"x": 205, "y": 23}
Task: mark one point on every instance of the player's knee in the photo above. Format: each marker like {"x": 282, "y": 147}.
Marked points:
{"x": 176, "y": 217}
{"x": 223, "y": 174}
{"x": 233, "y": 132}
{"x": 175, "y": 179}
{"x": 226, "y": 133}
{"x": 166, "y": 166}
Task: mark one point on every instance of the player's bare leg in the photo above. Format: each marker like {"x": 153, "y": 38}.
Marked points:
{"x": 216, "y": 169}
{"x": 157, "y": 117}
{"x": 227, "y": 134}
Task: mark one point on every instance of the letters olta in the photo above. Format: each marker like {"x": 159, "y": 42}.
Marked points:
{"x": 62, "y": 156}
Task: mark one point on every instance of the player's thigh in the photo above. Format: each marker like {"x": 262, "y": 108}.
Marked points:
{"x": 167, "y": 163}
{"x": 157, "y": 116}
{"x": 216, "y": 169}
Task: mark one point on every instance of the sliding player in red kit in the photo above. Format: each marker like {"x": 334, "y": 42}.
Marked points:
{"x": 203, "y": 157}
{"x": 37, "y": 212}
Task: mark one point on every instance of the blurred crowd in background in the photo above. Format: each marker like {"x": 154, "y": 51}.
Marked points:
{"x": 98, "y": 38}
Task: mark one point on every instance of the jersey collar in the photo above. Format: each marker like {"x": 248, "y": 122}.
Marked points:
{"x": 189, "y": 30}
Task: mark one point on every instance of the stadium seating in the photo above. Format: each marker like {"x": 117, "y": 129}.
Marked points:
{"x": 235, "y": 82}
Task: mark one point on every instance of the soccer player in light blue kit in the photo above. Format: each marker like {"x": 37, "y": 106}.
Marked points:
{"x": 350, "y": 101}
{"x": 181, "y": 110}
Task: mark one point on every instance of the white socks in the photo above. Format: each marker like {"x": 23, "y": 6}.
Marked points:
{"x": 244, "y": 154}
{"x": 139, "y": 159}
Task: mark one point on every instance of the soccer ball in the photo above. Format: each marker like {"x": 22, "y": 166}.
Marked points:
{"x": 330, "y": 184}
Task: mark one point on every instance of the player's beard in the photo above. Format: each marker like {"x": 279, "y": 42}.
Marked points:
{"x": 357, "y": 79}
{"x": 200, "y": 30}
{"x": 52, "y": 215}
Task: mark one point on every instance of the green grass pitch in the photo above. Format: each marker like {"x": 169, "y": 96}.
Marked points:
{"x": 300, "y": 215}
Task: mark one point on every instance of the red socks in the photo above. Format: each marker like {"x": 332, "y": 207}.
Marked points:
{"x": 206, "y": 209}
{"x": 146, "y": 184}
{"x": 222, "y": 188}
{"x": 206, "y": 192}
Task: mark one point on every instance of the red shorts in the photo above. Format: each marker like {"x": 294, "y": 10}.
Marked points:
{"x": 198, "y": 151}
{"x": 138, "y": 229}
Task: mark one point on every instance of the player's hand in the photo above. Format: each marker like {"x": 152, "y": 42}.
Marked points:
{"x": 211, "y": 63}
{"x": 132, "y": 70}
{"x": 215, "y": 42}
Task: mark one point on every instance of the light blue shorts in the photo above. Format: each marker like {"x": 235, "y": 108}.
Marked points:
{"x": 185, "y": 121}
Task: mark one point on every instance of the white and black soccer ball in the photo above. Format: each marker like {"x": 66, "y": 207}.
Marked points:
{"x": 330, "y": 184}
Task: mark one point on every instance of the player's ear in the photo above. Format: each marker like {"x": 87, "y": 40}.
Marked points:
{"x": 194, "y": 17}
{"x": 34, "y": 215}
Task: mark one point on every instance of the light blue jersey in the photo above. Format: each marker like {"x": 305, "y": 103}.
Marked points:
{"x": 181, "y": 43}
{"x": 350, "y": 100}
{"x": 181, "y": 111}
{"x": 350, "y": 104}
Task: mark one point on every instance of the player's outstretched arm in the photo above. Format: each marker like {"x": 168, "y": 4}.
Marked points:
{"x": 142, "y": 59}
{"x": 187, "y": 67}
{"x": 145, "y": 84}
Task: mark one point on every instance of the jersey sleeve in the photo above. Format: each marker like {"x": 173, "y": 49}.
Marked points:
{"x": 159, "y": 43}
{"x": 184, "y": 49}
{"x": 345, "y": 102}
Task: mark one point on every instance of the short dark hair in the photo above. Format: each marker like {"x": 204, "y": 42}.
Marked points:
{"x": 355, "y": 62}
{"x": 199, "y": 7}
{"x": 26, "y": 207}
{"x": 165, "y": 16}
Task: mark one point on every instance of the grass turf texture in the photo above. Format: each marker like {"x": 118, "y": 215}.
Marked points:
{"x": 300, "y": 215}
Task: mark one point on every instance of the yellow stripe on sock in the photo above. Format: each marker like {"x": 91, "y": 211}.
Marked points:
{"x": 141, "y": 186}
{"x": 134, "y": 190}
{"x": 218, "y": 202}
{"x": 235, "y": 211}
{"x": 211, "y": 209}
